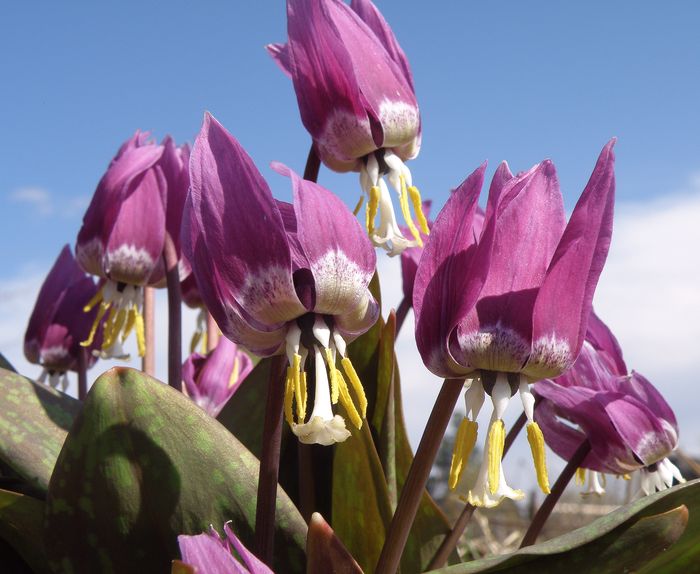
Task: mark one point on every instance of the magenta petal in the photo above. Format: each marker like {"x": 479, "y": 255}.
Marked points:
{"x": 564, "y": 300}
{"x": 175, "y": 165}
{"x": 639, "y": 387}
{"x": 230, "y": 210}
{"x": 602, "y": 339}
{"x": 369, "y": 14}
{"x": 592, "y": 370}
{"x": 529, "y": 219}
{"x": 341, "y": 258}
{"x": 252, "y": 562}
{"x": 451, "y": 273}
{"x": 207, "y": 554}
{"x": 280, "y": 54}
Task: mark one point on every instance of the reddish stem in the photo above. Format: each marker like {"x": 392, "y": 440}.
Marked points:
{"x": 172, "y": 276}
{"x": 148, "y": 361}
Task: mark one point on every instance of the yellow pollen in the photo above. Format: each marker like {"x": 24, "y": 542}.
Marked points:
{"x": 403, "y": 198}
{"x": 130, "y": 322}
{"x": 371, "y": 209}
{"x": 580, "y": 478}
{"x": 358, "y": 205}
{"x": 303, "y": 394}
{"x": 496, "y": 442}
{"x": 96, "y": 298}
{"x": 418, "y": 208}
{"x": 235, "y": 372}
{"x": 140, "y": 332}
{"x": 464, "y": 444}
{"x": 331, "y": 371}
{"x": 108, "y": 331}
{"x": 289, "y": 396}
{"x": 356, "y": 384}
{"x": 205, "y": 342}
{"x": 296, "y": 378}
{"x": 96, "y": 323}
{"x": 536, "y": 440}
{"x": 346, "y": 400}
{"x": 626, "y": 477}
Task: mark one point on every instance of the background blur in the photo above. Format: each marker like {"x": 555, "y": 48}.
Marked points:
{"x": 495, "y": 80}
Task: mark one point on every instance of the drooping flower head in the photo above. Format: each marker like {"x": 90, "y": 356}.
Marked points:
{"x": 510, "y": 307}
{"x": 356, "y": 98}
{"x": 140, "y": 196}
{"x": 210, "y": 380}
{"x": 281, "y": 278}
{"x": 57, "y": 324}
{"x": 189, "y": 292}
{"x": 627, "y": 422}
{"x": 207, "y": 553}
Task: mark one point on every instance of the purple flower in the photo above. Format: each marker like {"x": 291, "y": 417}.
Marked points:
{"x": 139, "y": 198}
{"x": 626, "y": 420}
{"x": 281, "y": 278}
{"x": 207, "y": 553}
{"x": 356, "y": 97}
{"x": 509, "y": 307}
{"x": 211, "y": 380}
{"x": 58, "y": 324}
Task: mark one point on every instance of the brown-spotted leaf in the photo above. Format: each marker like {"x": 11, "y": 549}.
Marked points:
{"x": 21, "y": 520}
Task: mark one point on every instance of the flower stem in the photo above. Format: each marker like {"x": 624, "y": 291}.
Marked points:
{"x": 148, "y": 362}
{"x": 450, "y": 542}
{"x": 82, "y": 373}
{"x": 172, "y": 276}
{"x": 547, "y": 506}
{"x": 417, "y": 478}
{"x": 313, "y": 165}
{"x": 401, "y": 313}
{"x": 212, "y": 333}
{"x": 270, "y": 463}
{"x": 307, "y": 487}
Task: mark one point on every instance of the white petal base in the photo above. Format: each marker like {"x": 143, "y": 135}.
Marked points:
{"x": 322, "y": 431}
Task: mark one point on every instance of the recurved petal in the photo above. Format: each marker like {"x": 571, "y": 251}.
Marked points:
{"x": 641, "y": 430}
{"x": 280, "y": 54}
{"x": 231, "y": 211}
{"x": 450, "y": 276}
{"x": 252, "y": 562}
{"x": 529, "y": 219}
{"x": 563, "y": 303}
{"x": 207, "y": 554}
{"x": 134, "y": 247}
{"x": 602, "y": 339}
{"x": 640, "y": 387}
{"x": 340, "y": 256}
{"x": 371, "y": 16}
{"x": 593, "y": 370}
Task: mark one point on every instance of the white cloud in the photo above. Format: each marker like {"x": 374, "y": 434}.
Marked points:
{"x": 36, "y": 197}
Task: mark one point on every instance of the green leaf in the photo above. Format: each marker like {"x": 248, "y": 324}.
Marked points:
{"x": 5, "y": 364}
{"x": 325, "y": 552}
{"x": 21, "y": 523}
{"x": 622, "y": 541}
{"x": 143, "y": 464}
{"x": 34, "y": 421}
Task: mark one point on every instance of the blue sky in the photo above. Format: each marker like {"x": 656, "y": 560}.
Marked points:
{"x": 496, "y": 80}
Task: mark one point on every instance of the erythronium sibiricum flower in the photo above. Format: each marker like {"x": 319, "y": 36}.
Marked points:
{"x": 57, "y": 324}
{"x": 207, "y": 553}
{"x": 140, "y": 196}
{"x": 627, "y": 422}
{"x": 211, "y": 380}
{"x": 356, "y": 97}
{"x": 510, "y": 307}
{"x": 281, "y": 278}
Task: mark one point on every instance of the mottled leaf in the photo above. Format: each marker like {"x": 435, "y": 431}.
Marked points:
{"x": 34, "y": 420}
{"x": 623, "y": 541}
{"x": 143, "y": 464}
{"x": 5, "y": 364}
{"x": 21, "y": 519}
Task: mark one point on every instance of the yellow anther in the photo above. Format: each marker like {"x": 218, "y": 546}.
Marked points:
{"x": 580, "y": 478}
{"x": 331, "y": 371}
{"x": 626, "y": 477}
{"x": 346, "y": 400}
{"x": 356, "y": 384}
{"x": 108, "y": 331}
{"x": 205, "y": 342}
{"x": 303, "y": 393}
{"x": 96, "y": 323}
{"x": 418, "y": 208}
{"x": 289, "y": 396}
{"x": 233, "y": 379}
{"x": 464, "y": 444}
{"x": 371, "y": 209}
{"x": 536, "y": 440}
{"x": 194, "y": 341}
{"x": 296, "y": 376}
{"x": 130, "y": 322}
{"x": 403, "y": 199}
{"x": 496, "y": 442}
{"x": 358, "y": 205}
{"x": 96, "y": 298}
{"x": 140, "y": 333}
